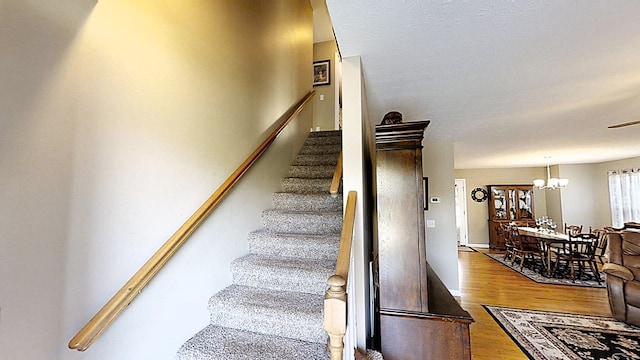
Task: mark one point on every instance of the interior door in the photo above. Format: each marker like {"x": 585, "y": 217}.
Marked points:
{"x": 461, "y": 212}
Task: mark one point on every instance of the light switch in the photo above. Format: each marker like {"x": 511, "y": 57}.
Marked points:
{"x": 321, "y": 97}
{"x": 431, "y": 223}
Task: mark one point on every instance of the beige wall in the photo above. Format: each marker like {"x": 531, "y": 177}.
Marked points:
{"x": 36, "y": 173}
{"x": 442, "y": 247}
{"x": 113, "y": 133}
{"x": 554, "y": 198}
{"x": 478, "y": 213}
{"x": 578, "y": 200}
{"x": 585, "y": 201}
{"x": 324, "y": 110}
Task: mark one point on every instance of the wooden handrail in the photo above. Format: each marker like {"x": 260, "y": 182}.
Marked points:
{"x": 344, "y": 252}
{"x": 335, "y": 300}
{"x": 337, "y": 176}
{"x": 110, "y": 311}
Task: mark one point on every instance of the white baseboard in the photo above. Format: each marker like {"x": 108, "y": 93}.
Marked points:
{"x": 455, "y": 293}
{"x": 481, "y": 246}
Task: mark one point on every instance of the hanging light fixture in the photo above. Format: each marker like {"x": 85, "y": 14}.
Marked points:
{"x": 551, "y": 183}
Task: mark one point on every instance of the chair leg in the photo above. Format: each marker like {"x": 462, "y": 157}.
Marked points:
{"x": 573, "y": 270}
{"x": 543, "y": 261}
{"x": 580, "y": 269}
{"x": 594, "y": 269}
{"x": 522, "y": 260}
{"x": 554, "y": 271}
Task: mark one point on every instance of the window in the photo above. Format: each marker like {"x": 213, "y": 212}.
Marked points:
{"x": 624, "y": 194}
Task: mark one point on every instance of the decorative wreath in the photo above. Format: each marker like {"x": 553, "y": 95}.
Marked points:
{"x": 479, "y": 194}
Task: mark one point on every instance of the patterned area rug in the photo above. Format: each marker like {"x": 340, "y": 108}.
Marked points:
{"x": 553, "y": 336}
{"x": 586, "y": 281}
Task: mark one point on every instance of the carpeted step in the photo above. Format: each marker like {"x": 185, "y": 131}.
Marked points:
{"x": 301, "y": 185}
{"x": 327, "y": 140}
{"x": 302, "y": 222}
{"x": 294, "y": 315}
{"x": 307, "y": 246}
{"x": 307, "y": 201}
{"x": 321, "y": 149}
{"x": 279, "y": 287}
{"x": 325, "y": 133}
{"x": 324, "y": 138}
{"x": 374, "y": 355}
{"x": 286, "y": 274}
{"x": 216, "y": 343}
{"x": 312, "y": 171}
{"x": 316, "y": 159}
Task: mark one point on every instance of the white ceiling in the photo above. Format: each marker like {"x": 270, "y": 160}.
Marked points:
{"x": 508, "y": 82}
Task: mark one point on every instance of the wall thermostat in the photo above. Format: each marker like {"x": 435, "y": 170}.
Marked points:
{"x": 435, "y": 200}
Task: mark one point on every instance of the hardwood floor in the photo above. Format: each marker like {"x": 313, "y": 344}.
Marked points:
{"x": 484, "y": 281}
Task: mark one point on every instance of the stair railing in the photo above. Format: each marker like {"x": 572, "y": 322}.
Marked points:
{"x": 335, "y": 300}
{"x": 121, "y": 299}
{"x": 337, "y": 176}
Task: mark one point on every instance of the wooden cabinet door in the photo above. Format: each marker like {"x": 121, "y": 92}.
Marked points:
{"x": 510, "y": 204}
{"x": 524, "y": 205}
{"x": 498, "y": 202}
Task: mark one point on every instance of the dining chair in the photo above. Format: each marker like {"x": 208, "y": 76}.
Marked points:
{"x": 601, "y": 250}
{"x": 579, "y": 250}
{"x": 525, "y": 248}
{"x": 502, "y": 230}
{"x": 573, "y": 230}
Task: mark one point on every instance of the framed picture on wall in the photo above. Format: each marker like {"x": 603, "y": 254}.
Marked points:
{"x": 321, "y": 73}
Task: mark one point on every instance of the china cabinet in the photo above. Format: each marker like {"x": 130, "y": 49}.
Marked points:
{"x": 508, "y": 204}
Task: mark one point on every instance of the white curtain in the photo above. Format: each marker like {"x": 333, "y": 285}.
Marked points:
{"x": 624, "y": 194}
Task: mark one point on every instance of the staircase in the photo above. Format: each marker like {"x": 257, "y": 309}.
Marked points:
{"x": 274, "y": 308}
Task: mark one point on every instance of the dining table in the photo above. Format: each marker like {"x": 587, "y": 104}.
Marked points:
{"x": 545, "y": 239}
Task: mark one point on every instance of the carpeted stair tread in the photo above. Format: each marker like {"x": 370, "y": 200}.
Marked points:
{"x": 333, "y": 149}
{"x": 302, "y": 222}
{"x": 274, "y": 309}
{"x": 269, "y": 312}
{"x": 312, "y": 171}
{"x": 326, "y": 140}
{"x": 217, "y": 343}
{"x": 302, "y": 185}
{"x": 316, "y": 159}
{"x": 308, "y": 246}
{"x": 307, "y": 201}
{"x": 287, "y": 274}
{"x": 325, "y": 133}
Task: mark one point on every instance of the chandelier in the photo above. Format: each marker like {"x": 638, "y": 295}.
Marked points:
{"x": 551, "y": 183}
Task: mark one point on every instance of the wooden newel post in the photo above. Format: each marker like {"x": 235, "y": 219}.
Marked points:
{"x": 335, "y": 315}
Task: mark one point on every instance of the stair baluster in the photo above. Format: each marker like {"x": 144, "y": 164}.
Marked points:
{"x": 335, "y": 302}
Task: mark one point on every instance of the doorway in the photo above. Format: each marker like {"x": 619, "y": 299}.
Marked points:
{"x": 462, "y": 232}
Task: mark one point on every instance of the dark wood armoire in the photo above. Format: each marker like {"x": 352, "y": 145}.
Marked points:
{"x": 418, "y": 317}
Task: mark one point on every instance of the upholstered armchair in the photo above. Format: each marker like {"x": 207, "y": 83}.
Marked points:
{"x": 623, "y": 275}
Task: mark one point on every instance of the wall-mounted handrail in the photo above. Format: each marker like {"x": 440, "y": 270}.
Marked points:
{"x": 335, "y": 300}
{"x": 337, "y": 176}
{"x": 121, "y": 299}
